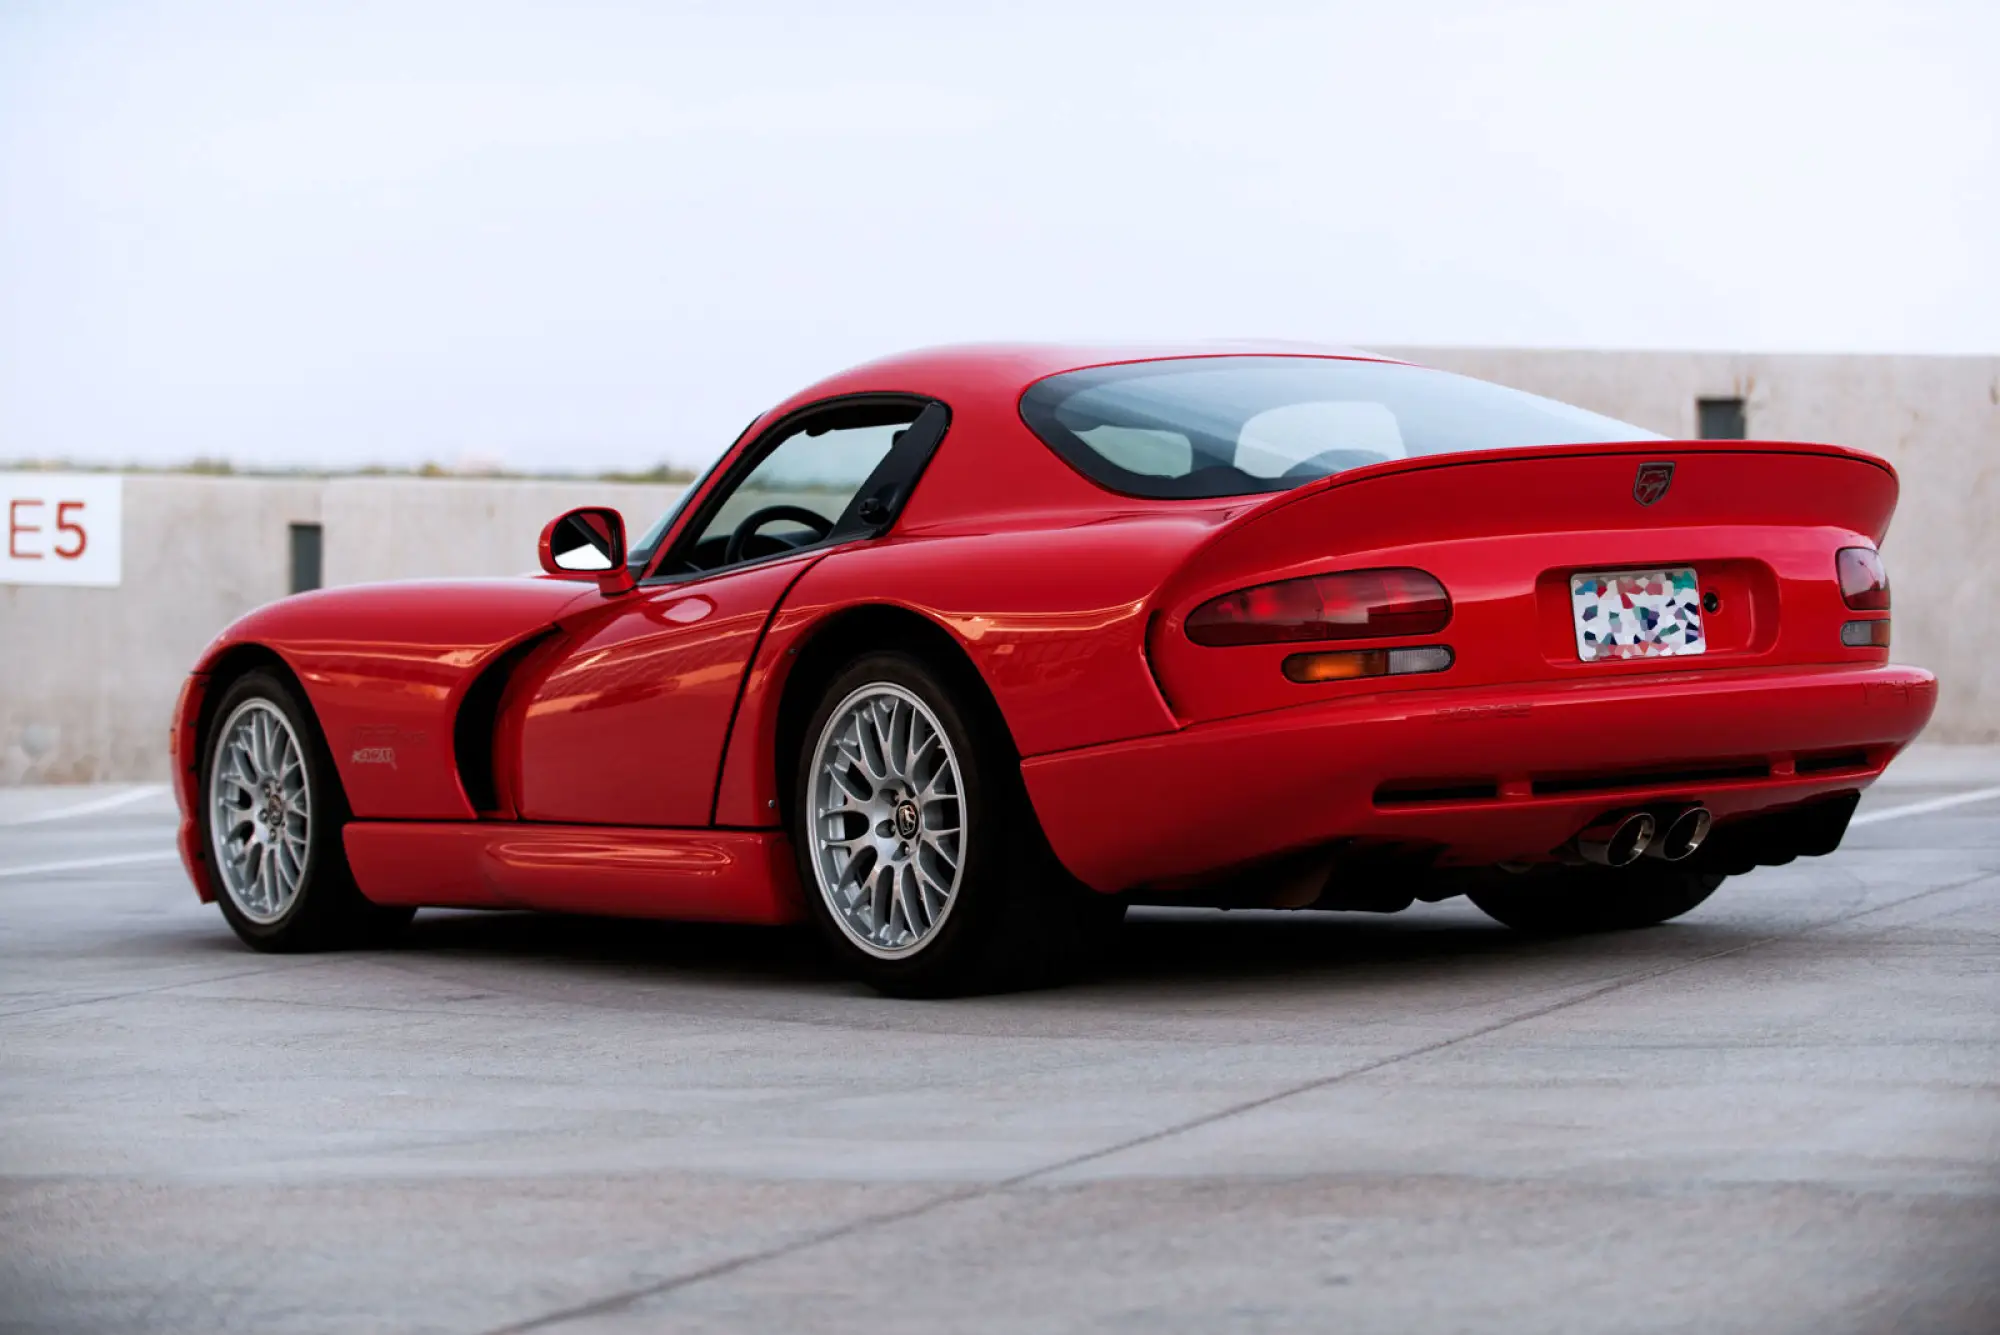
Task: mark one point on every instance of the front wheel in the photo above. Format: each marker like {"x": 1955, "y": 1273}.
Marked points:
{"x": 271, "y": 815}
{"x": 920, "y": 856}
{"x": 1569, "y": 900}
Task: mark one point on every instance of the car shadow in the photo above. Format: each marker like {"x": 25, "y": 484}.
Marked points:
{"x": 1157, "y": 949}
{"x": 696, "y": 949}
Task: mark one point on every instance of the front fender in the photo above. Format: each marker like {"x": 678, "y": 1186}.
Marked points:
{"x": 385, "y": 667}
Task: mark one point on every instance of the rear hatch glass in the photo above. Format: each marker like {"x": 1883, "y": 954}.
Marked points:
{"x": 1194, "y": 427}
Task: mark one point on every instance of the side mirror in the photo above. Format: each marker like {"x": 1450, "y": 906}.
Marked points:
{"x": 589, "y": 541}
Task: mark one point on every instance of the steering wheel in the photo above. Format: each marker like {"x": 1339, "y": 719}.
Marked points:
{"x": 756, "y": 519}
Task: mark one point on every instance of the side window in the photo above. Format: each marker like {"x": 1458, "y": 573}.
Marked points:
{"x": 799, "y": 490}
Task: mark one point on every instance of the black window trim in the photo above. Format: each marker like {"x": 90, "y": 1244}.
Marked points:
{"x": 870, "y": 513}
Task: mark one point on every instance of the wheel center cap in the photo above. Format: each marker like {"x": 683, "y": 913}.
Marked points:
{"x": 907, "y": 819}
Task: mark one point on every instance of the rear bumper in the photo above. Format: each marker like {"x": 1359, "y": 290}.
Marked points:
{"x": 1484, "y": 774}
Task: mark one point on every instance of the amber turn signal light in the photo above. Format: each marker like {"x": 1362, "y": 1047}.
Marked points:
{"x": 1866, "y": 634}
{"x": 1346, "y": 664}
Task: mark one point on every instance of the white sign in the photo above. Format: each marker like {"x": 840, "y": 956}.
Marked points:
{"x": 61, "y": 528}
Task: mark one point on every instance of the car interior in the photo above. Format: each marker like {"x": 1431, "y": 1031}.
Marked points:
{"x": 797, "y": 492}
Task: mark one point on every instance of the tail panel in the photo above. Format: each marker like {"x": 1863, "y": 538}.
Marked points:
{"x": 1757, "y": 523}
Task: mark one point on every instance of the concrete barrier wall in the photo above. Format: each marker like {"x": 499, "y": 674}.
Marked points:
{"x": 396, "y": 528}
{"x": 1937, "y": 419}
{"x": 88, "y": 676}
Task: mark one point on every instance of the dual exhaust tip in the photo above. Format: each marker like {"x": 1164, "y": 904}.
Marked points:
{"x": 1620, "y": 839}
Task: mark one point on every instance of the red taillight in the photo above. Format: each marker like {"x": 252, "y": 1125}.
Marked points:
{"x": 1864, "y": 584}
{"x": 1353, "y": 605}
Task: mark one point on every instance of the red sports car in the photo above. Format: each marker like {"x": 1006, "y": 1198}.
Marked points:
{"x": 960, "y": 653}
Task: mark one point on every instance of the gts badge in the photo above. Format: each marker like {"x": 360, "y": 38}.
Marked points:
{"x": 376, "y": 743}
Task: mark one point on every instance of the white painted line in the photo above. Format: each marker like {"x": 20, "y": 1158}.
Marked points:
{"x": 109, "y": 802}
{"x": 92, "y": 864}
{"x": 1925, "y": 808}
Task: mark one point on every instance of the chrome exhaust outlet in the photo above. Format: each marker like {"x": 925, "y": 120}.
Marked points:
{"x": 1617, "y": 840}
{"x": 1683, "y": 835}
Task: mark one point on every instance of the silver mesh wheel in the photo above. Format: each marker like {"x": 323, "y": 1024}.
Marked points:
{"x": 888, "y": 820}
{"x": 260, "y": 812}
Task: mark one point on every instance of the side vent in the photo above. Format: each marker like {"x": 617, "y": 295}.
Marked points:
{"x": 1446, "y": 790}
{"x": 1611, "y": 781}
{"x": 1830, "y": 762}
{"x": 474, "y": 732}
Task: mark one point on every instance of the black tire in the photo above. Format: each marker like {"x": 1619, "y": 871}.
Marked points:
{"x": 1562, "y": 901}
{"x": 328, "y": 912}
{"x": 1017, "y": 919}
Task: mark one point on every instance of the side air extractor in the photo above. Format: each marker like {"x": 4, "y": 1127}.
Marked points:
{"x": 476, "y": 728}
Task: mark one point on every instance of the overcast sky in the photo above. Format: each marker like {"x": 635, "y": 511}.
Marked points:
{"x": 597, "y": 235}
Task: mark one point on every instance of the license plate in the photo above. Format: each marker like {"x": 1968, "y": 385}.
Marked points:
{"x": 1636, "y": 613}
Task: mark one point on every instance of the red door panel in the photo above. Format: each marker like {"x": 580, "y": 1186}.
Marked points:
{"x": 627, "y": 726}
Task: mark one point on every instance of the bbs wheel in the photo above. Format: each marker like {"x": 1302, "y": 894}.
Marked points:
{"x": 890, "y": 801}
{"x": 1569, "y": 900}
{"x": 921, "y": 859}
{"x": 271, "y": 815}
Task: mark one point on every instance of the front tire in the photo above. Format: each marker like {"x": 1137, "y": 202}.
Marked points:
{"x": 271, "y": 815}
{"x": 1563, "y": 901}
{"x": 919, "y": 854}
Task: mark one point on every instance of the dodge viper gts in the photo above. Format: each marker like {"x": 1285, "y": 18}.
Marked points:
{"x": 960, "y": 653}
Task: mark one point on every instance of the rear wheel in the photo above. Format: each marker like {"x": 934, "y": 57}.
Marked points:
{"x": 921, "y": 859}
{"x": 1566, "y": 900}
{"x": 271, "y": 815}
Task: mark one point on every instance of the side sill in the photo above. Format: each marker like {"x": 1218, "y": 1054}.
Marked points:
{"x": 744, "y": 876}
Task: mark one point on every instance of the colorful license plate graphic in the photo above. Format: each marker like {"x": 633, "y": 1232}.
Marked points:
{"x": 1636, "y": 614}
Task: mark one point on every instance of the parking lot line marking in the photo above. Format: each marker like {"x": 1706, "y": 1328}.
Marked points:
{"x": 109, "y": 802}
{"x": 1924, "y": 808}
{"x": 92, "y": 864}
{"x": 626, "y": 1299}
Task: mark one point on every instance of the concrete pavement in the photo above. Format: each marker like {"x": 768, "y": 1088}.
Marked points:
{"x": 1782, "y": 1113}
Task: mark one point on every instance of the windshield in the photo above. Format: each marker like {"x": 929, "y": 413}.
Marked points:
{"x": 1233, "y": 426}
{"x": 640, "y": 555}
